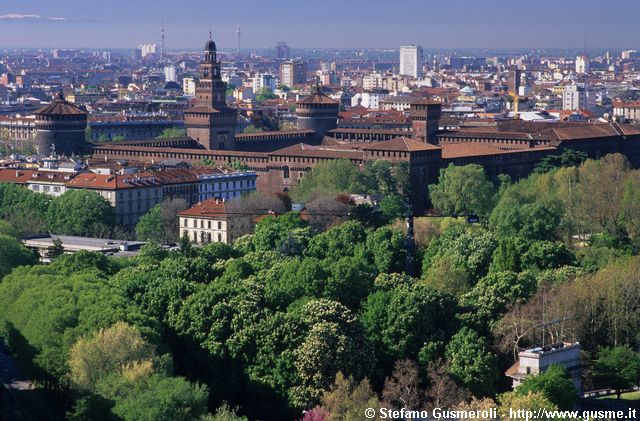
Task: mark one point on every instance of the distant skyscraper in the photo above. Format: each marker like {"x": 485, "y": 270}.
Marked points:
{"x": 147, "y": 49}
{"x": 582, "y": 65}
{"x": 293, "y": 73}
{"x": 170, "y": 73}
{"x": 411, "y": 60}
{"x": 282, "y": 51}
{"x": 514, "y": 81}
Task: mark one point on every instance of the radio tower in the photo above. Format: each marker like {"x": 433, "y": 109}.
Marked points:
{"x": 238, "y": 38}
{"x": 162, "y": 40}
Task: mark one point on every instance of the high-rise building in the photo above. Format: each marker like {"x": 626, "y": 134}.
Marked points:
{"x": 147, "y": 49}
{"x": 189, "y": 86}
{"x": 282, "y": 51}
{"x": 411, "y": 58}
{"x": 582, "y": 65}
{"x": 293, "y": 73}
{"x": 265, "y": 80}
{"x": 576, "y": 97}
{"x": 513, "y": 83}
{"x": 170, "y": 73}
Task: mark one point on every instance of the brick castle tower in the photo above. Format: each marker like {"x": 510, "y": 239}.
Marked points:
{"x": 211, "y": 122}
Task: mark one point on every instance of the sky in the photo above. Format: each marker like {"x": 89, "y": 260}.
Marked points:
{"x": 526, "y": 24}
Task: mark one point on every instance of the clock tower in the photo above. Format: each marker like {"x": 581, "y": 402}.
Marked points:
{"x": 211, "y": 122}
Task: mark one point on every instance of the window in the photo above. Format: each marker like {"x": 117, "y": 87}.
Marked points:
{"x": 45, "y": 189}
{"x": 56, "y": 189}
{"x": 219, "y": 225}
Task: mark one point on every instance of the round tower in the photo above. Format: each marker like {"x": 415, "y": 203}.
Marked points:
{"x": 60, "y": 128}
{"x": 317, "y": 112}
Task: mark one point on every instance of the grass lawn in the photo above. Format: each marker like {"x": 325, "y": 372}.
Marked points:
{"x": 631, "y": 396}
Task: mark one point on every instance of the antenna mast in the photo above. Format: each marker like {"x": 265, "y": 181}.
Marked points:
{"x": 162, "y": 40}
{"x": 238, "y": 33}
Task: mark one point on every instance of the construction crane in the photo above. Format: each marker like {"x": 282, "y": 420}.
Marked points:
{"x": 516, "y": 98}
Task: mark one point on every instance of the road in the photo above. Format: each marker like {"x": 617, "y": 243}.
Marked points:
{"x": 27, "y": 403}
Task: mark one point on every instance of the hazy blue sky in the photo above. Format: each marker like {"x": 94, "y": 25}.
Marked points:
{"x": 323, "y": 23}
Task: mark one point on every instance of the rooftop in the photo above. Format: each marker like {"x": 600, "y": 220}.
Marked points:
{"x": 60, "y": 106}
{"x": 211, "y": 208}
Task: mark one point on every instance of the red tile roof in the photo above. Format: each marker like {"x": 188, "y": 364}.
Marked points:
{"x": 318, "y": 97}
{"x": 322, "y": 151}
{"x": 211, "y": 208}
{"x": 24, "y": 176}
{"x": 401, "y": 144}
{"x": 471, "y": 149}
{"x": 60, "y": 106}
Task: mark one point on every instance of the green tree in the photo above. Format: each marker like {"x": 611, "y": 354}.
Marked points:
{"x": 13, "y": 254}
{"x": 393, "y": 207}
{"x": 347, "y": 399}
{"x": 445, "y": 275}
{"x": 172, "y": 132}
{"x": 23, "y": 209}
{"x": 80, "y": 212}
{"x": 568, "y": 158}
{"x": 555, "y": 384}
{"x": 264, "y": 94}
{"x": 466, "y": 247}
{"x": 463, "y": 190}
{"x": 617, "y": 368}
{"x": 331, "y": 177}
{"x": 160, "y": 223}
{"x": 334, "y": 342}
{"x": 252, "y": 129}
{"x": 105, "y": 352}
{"x": 494, "y": 294}
{"x": 48, "y": 310}
{"x": 161, "y": 398}
{"x": 278, "y": 233}
{"x": 346, "y": 239}
{"x": 401, "y": 321}
{"x": 534, "y": 402}
{"x": 547, "y": 255}
{"x": 600, "y": 193}
{"x": 56, "y": 249}
{"x": 224, "y": 413}
{"x": 8, "y": 229}
{"x": 387, "y": 248}
{"x": 471, "y": 364}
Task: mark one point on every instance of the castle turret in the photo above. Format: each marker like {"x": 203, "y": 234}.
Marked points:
{"x": 211, "y": 122}
{"x": 60, "y": 128}
{"x": 317, "y": 112}
{"x": 425, "y": 120}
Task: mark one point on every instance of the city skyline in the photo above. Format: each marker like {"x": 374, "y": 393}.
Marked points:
{"x": 497, "y": 24}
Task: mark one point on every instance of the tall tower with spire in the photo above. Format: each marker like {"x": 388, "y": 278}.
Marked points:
{"x": 162, "y": 40}
{"x": 238, "y": 38}
{"x": 211, "y": 122}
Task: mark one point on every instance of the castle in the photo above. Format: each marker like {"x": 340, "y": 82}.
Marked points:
{"x": 282, "y": 158}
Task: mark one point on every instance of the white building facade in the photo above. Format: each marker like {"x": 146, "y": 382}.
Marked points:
{"x": 411, "y": 59}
